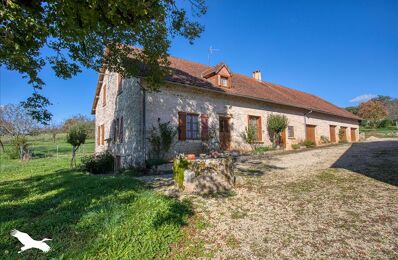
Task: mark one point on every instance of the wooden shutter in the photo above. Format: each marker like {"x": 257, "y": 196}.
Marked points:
{"x": 121, "y": 130}
{"x": 182, "y": 126}
{"x": 104, "y": 96}
{"x": 204, "y": 121}
{"x": 259, "y": 129}
{"x": 98, "y": 135}
{"x": 102, "y": 135}
{"x": 119, "y": 83}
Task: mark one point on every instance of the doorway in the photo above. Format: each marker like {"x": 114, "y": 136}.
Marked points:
{"x": 332, "y": 130}
{"x": 310, "y": 133}
{"x": 353, "y": 134}
{"x": 225, "y": 132}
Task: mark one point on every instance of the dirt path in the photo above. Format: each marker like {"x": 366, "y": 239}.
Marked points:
{"x": 336, "y": 202}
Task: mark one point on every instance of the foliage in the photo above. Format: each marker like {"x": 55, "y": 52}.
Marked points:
{"x": 76, "y": 137}
{"x": 154, "y": 162}
{"x": 384, "y": 123}
{"x": 325, "y": 139}
{"x": 296, "y": 146}
{"x": 18, "y": 142}
{"x": 98, "y": 163}
{"x": 353, "y": 109}
{"x": 180, "y": 164}
{"x": 309, "y": 143}
{"x": 86, "y": 122}
{"x": 262, "y": 149}
{"x": 250, "y": 136}
{"x": 342, "y": 136}
{"x": 15, "y": 120}
{"x": 161, "y": 139}
{"x": 373, "y": 111}
{"x": 212, "y": 142}
{"x": 76, "y": 33}
{"x": 45, "y": 197}
{"x": 276, "y": 124}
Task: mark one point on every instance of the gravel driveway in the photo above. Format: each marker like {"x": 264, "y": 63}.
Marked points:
{"x": 334, "y": 202}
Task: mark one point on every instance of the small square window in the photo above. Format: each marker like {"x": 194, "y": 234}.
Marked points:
{"x": 224, "y": 81}
{"x": 290, "y": 131}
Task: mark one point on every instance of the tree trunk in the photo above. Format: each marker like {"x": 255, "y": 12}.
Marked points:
{"x": 2, "y": 145}
{"x": 73, "y": 161}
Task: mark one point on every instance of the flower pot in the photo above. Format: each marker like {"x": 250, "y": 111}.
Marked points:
{"x": 191, "y": 157}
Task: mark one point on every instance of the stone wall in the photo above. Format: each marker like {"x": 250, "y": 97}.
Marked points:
{"x": 129, "y": 105}
{"x": 166, "y": 104}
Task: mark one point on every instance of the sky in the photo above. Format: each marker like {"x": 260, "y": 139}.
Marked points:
{"x": 345, "y": 51}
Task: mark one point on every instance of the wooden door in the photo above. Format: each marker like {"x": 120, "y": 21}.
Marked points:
{"x": 353, "y": 134}
{"x": 310, "y": 133}
{"x": 283, "y": 138}
{"x": 344, "y": 133}
{"x": 225, "y": 133}
{"x": 332, "y": 129}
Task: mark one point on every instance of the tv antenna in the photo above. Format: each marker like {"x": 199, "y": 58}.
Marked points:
{"x": 211, "y": 50}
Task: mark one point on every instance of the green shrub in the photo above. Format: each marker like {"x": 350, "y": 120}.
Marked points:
{"x": 179, "y": 166}
{"x": 154, "y": 162}
{"x": 309, "y": 143}
{"x": 276, "y": 124}
{"x": 250, "y": 136}
{"x": 262, "y": 149}
{"x": 14, "y": 151}
{"x": 76, "y": 137}
{"x": 384, "y": 123}
{"x": 325, "y": 139}
{"x": 98, "y": 163}
{"x": 161, "y": 139}
{"x": 296, "y": 146}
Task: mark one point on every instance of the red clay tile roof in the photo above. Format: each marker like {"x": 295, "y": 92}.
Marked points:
{"x": 191, "y": 73}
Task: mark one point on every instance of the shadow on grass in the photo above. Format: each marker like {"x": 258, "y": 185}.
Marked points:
{"x": 77, "y": 210}
{"x": 377, "y": 160}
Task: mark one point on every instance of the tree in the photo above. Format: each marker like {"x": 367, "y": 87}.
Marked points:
{"x": 76, "y": 137}
{"x": 77, "y": 32}
{"x": 276, "y": 124}
{"x": 353, "y": 109}
{"x": 87, "y": 122}
{"x": 392, "y": 111}
{"x": 250, "y": 136}
{"x": 373, "y": 111}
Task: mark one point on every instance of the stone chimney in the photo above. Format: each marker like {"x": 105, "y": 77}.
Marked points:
{"x": 257, "y": 75}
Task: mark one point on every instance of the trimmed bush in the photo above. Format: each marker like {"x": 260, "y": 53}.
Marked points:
{"x": 262, "y": 149}
{"x": 296, "y": 146}
{"x": 309, "y": 143}
{"x": 99, "y": 163}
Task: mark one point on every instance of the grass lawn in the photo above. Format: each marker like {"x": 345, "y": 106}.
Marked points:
{"x": 379, "y": 132}
{"x": 101, "y": 217}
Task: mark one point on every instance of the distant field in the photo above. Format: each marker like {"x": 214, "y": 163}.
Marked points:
{"x": 88, "y": 217}
{"x": 380, "y": 132}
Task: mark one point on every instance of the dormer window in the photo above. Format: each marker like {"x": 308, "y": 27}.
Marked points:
{"x": 224, "y": 81}
{"x": 219, "y": 75}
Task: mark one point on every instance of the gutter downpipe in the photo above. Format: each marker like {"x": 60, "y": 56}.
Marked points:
{"x": 305, "y": 122}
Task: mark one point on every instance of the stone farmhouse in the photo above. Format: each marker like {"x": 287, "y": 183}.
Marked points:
{"x": 197, "y": 98}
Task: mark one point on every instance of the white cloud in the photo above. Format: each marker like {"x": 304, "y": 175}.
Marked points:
{"x": 362, "y": 98}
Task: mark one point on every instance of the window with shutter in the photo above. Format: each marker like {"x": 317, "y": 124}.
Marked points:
{"x": 204, "y": 121}
{"x": 255, "y": 123}
{"x": 181, "y": 126}
{"x": 102, "y": 135}
{"x": 104, "y": 95}
{"x": 290, "y": 131}
{"x": 119, "y": 84}
{"x": 192, "y": 126}
{"x": 98, "y": 135}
